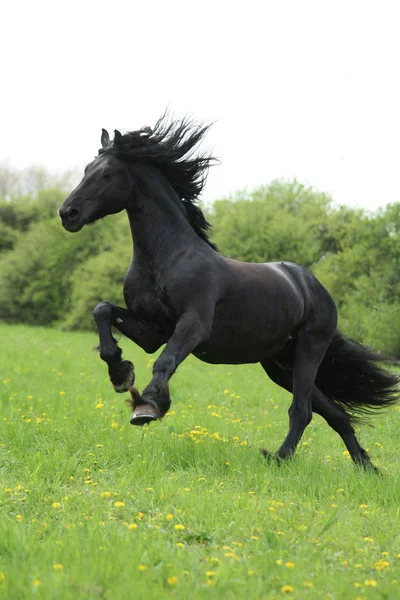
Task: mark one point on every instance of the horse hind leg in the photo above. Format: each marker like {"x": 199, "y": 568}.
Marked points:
{"x": 334, "y": 415}
{"x": 339, "y": 420}
{"x": 310, "y": 348}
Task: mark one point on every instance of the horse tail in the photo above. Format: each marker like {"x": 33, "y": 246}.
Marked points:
{"x": 350, "y": 376}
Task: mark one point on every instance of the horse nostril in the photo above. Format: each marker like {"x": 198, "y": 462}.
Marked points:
{"x": 69, "y": 214}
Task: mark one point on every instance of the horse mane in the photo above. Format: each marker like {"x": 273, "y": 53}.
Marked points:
{"x": 171, "y": 147}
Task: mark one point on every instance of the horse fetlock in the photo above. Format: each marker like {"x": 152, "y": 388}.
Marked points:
{"x": 158, "y": 394}
{"x": 122, "y": 375}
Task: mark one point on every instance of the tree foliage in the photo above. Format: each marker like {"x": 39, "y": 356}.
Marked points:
{"x": 48, "y": 276}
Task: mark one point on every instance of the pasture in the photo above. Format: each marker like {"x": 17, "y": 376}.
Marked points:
{"x": 92, "y": 507}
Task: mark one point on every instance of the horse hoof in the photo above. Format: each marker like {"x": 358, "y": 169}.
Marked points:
{"x": 127, "y": 374}
{"x": 144, "y": 413}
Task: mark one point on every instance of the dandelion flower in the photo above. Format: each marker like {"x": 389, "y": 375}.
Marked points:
{"x": 287, "y": 589}
{"x": 172, "y": 580}
{"x": 119, "y": 504}
{"x": 58, "y": 567}
{"x": 142, "y": 567}
{"x": 105, "y": 494}
{"x": 56, "y": 505}
{"x": 169, "y": 517}
{"x": 179, "y": 527}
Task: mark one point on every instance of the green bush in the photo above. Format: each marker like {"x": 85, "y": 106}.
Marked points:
{"x": 48, "y": 276}
{"x": 35, "y": 277}
{"x": 99, "y": 278}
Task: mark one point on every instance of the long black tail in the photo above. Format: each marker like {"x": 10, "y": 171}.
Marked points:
{"x": 350, "y": 376}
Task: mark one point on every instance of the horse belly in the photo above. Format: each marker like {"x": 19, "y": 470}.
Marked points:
{"x": 250, "y": 334}
{"x": 229, "y": 347}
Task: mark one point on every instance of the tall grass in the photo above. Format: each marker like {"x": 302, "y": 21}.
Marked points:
{"x": 92, "y": 507}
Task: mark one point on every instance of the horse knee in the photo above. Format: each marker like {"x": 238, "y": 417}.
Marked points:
{"x": 102, "y": 311}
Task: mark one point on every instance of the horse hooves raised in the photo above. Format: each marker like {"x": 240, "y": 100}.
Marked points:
{"x": 144, "y": 413}
{"x": 122, "y": 376}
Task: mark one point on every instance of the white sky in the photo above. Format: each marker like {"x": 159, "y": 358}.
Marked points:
{"x": 297, "y": 88}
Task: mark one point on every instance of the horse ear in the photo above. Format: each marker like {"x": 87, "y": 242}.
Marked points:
{"x": 117, "y": 137}
{"x": 105, "y": 138}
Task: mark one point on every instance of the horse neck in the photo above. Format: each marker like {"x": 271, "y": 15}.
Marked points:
{"x": 159, "y": 224}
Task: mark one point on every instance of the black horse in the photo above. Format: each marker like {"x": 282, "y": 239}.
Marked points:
{"x": 180, "y": 292}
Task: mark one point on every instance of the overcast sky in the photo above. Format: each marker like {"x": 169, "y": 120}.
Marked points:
{"x": 296, "y": 89}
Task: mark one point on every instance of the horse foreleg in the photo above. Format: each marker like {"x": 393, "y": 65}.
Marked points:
{"x": 109, "y": 315}
{"x": 191, "y": 330}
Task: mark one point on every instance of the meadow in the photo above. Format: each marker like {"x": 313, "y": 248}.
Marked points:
{"x": 93, "y": 508}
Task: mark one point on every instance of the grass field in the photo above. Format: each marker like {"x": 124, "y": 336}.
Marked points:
{"x": 92, "y": 507}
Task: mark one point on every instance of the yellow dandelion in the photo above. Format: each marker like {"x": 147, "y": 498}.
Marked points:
{"x": 371, "y": 582}
{"x": 19, "y": 518}
{"x": 58, "y": 567}
{"x": 105, "y": 494}
{"x": 132, "y": 526}
{"x": 289, "y": 565}
{"x": 287, "y": 589}
{"x": 99, "y": 405}
{"x": 119, "y": 504}
{"x": 56, "y": 505}
{"x": 36, "y": 582}
{"x": 180, "y": 545}
{"x": 308, "y": 584}
{"x": 232, "y": 555}
{"x": 169, "y": 517}
{"x": 211, "y": 573}
{"x": 179, "y": 527}
{"x": 142, "y": 567}
{"x": 172, "y": 580}
{"x": 62, "y": 393}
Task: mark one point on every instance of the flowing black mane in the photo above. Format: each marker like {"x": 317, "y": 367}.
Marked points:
{"x": 171, "y": 146}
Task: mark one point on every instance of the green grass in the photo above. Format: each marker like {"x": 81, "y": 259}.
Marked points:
{"x": 92, "y": 507}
